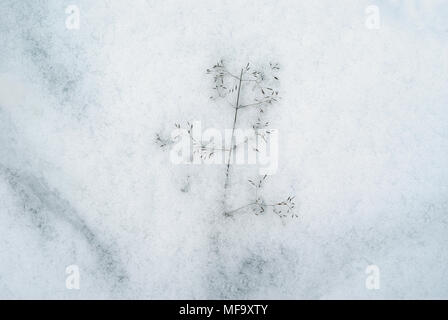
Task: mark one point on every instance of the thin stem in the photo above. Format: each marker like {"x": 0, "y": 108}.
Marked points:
{"x": 199, "y": 145}
{"x": 232, "y": 75}
{"x": 253, "y": 104}
{"x": 236, "y": 77}
{"x": 228, "y": 213}
{"x": 238, "y": 209}
{"x": 226, "y": 185}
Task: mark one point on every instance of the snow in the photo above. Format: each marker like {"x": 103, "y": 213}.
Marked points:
{"x": 363, "y": 145}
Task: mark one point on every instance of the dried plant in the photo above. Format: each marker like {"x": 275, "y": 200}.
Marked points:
{"x": 260, "y": 206}
{"x": 163, "y": 142}
{"x": 260, "y": 92}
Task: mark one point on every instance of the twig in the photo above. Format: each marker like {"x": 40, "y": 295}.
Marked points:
{"x": 226, "y": 184}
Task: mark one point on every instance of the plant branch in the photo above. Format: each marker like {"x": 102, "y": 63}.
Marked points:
{"x": 226, "y": 185}
{"x": 253, "y": 104}
{"x": 228, "y": 213}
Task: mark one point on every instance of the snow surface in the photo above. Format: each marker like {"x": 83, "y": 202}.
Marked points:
{"x": 363, "y": 127}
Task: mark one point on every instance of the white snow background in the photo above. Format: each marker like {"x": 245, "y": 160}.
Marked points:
{"x": 363, "y": 129}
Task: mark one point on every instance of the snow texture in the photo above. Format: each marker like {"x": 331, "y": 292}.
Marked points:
{"x": 363, "y": 134}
